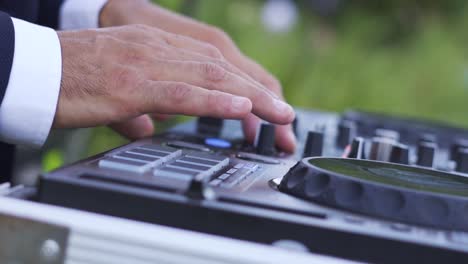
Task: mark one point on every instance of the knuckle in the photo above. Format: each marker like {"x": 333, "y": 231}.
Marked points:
{"x": 133, "y": 53}
{"x": 225, "y": 65}
{"x": 213, "y": 72}
{"x": 214, "y": 52}
{"x": 122, "y": 88}
{"x": 178, "y": 92}
{"x": 103, "y": 41}
{"x": 124, "y": 77}
{"x": 213, "y": 101}
{"x": 259, "y": 95}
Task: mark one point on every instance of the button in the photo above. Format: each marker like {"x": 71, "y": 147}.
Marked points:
{"x": 218, "y": 143}
{"x": 187, "y": 145}
{"x": 148, "y": 152}
{"x": 159, "y": 148}
{"x": 206, "y": 173}
{"x": 205, "y": 156}
{"x": 258, "y": 158}
{"x": 231, "y": 182}
{"x": 175, "y": 173}
{"x": 188, "y": 166}
{"x": 215, "y": 182}
{"x": 124, "y": 165}
{"x": 239, "y": 165}
{"x": 231, "y": 171}
{"x": 224, "y": 176}
{"x": 163, "y": 153}
{"x": 198, "y": 161}
{"x": 251, "y": 166}
{"x": 132, "y": 156}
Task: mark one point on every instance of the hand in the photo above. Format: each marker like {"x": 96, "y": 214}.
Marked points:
{"x": 122, "y": 12}
{"x": 117, "y": 74}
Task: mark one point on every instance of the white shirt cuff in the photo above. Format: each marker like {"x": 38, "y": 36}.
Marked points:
{"x": 31, "y": 97}
{"x": 80, "y": 14}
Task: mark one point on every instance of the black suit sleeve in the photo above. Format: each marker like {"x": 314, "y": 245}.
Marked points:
{"x": 49, "y": 11}
{"x": 7, "y": 49}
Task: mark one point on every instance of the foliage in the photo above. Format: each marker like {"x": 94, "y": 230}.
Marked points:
{"x": 401, "y": 57}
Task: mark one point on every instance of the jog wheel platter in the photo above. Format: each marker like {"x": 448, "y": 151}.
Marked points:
{"x": 404, "y": 193}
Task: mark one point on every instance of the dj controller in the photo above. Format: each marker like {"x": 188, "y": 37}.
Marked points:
{"x": 361, "y": 186}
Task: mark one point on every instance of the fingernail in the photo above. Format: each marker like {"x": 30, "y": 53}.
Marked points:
{"x": 283, "y": 107}
{"x": 239, "y": 104}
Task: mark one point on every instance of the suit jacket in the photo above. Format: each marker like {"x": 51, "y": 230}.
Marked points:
{"x": 44, "y": 12}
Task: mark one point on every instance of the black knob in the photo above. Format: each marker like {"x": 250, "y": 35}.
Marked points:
{"x": 265, "y": 141}
{"x": 387, "y": 133}
{"x": 357, "y": 149}
{"x": 462, "y": 160}
{"x": 427, "y": 137}
{"x": 456, "y": 146}
{"x": 426, "y": 153}
{"x": 346, "y": 132}
{"x": 295, "y": 126}
{"x": 400, "y": 154}
{"x": 210, "y": 126}
{"x": 314, "y": 144}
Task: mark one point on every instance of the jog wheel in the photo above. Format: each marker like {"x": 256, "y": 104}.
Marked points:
{"x": 402, "y": 193}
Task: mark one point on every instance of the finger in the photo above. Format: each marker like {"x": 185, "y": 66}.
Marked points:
{"x": 135, "y": 128}
{"x": 214, "y": 77}
{"x": 187, "y": 55}
{"x": 250, "y": 125}
{"x": 148, "y": 35}
{"x": 179, "y": 48}
{"x": 138, "y": 54}
{"x": 285, "y": 138}
{"x": 193, "y": 45}
{"x": 182, "y": 98}
{"x": 161, "y": 117}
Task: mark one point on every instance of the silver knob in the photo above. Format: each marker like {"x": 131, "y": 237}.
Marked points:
{"x": 381, "y": 149}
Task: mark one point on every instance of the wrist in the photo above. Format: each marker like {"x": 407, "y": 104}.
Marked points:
{"x": 118, "y": 12}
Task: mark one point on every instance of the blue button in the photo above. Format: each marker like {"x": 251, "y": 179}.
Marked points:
{"x": 218, "y": 143}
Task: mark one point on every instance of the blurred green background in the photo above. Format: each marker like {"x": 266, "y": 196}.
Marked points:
{"x": 402, "y": 57}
